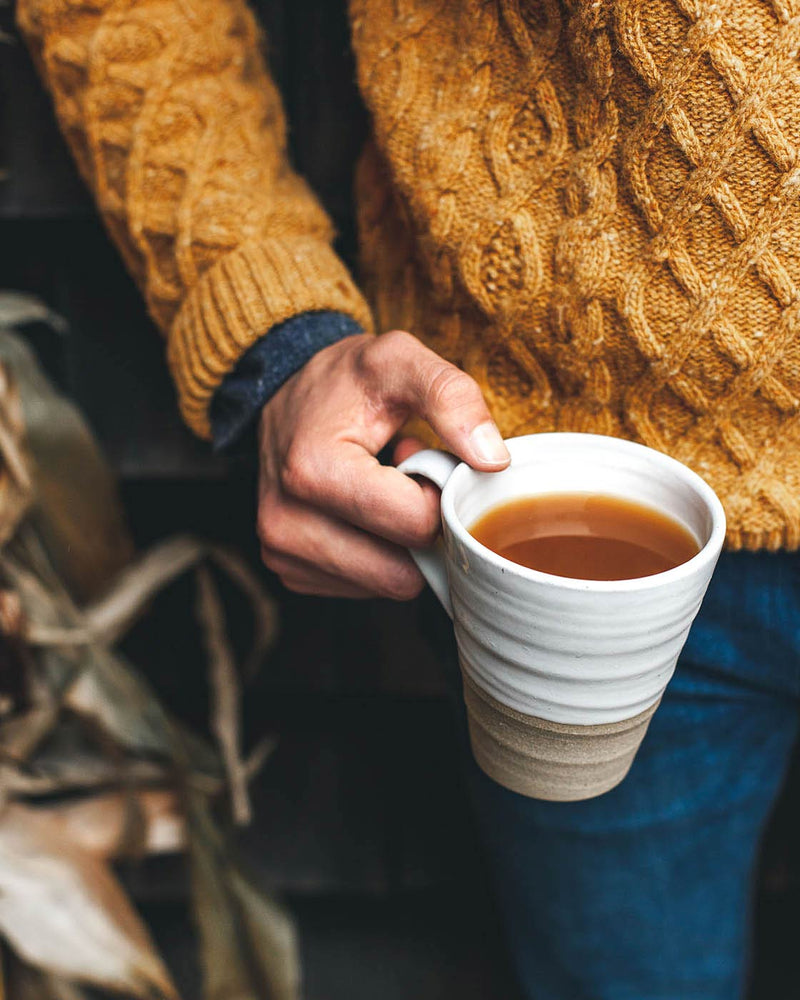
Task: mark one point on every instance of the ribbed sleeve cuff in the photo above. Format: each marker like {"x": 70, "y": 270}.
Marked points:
{"x": 265, "y": 366}
{"x": 242, "y": 296}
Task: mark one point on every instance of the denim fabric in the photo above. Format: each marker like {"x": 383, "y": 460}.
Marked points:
{"x": 263, "y": 369}
{"x": 644, "y": 893}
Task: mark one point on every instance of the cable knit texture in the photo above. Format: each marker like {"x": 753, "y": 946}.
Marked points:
{"x": 592, "y": 206}
{"x": 179, "y": 131}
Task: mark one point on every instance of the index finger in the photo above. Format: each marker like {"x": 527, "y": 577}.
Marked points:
{"x": 377, "y": 498}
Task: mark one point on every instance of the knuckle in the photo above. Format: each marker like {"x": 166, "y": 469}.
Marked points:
{"x": 423, "y": 536}
{"x": 269, "y": 558}
{"x": 400, "y": 340}
{"x": 387, "y": 349}
{"x": 450, "y": 388}
{"x": 422, "y": 531}
{"x": 263, "y": 527}
{"x": 298, "y": 476}
{"x": 404, "y": 586}
{"x": 271, "y": 530}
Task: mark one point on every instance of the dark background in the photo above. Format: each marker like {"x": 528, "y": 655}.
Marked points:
{"x": 361, "y": 818}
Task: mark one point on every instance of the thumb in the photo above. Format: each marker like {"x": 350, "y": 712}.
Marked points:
{"x": 453, "y": 404}
{"x": 443, "y": 395}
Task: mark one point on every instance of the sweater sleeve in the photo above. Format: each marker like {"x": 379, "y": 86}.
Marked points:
{"x": 264, "y": 367}
{"x": 179, "y": 132}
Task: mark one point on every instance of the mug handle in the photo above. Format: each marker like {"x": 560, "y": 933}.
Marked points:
{"x": 437, "y": 466}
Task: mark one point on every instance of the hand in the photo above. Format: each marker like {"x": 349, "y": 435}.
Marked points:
{"x": 332, "y": 520}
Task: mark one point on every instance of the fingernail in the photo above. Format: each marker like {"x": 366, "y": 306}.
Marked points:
{"x": 488, "y": 444}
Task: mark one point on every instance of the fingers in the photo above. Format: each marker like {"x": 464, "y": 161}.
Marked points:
{"x": 358, "y": 489}
{"x": 446, "y": 397}
{"x": 292, "y": 534}
{"x": 304, "y": 578}
{"x": 405, "y": 448}
{"x": 333, "y": 520}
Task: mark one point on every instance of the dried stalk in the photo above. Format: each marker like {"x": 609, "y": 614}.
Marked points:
{"x": 90, "y": 723}
{"x": 226, "y": 694}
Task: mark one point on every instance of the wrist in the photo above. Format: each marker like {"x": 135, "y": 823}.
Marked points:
{"x": 267, "y": 365}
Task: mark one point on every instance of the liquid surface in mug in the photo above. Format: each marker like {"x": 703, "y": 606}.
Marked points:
{"x": 585, "y": 536}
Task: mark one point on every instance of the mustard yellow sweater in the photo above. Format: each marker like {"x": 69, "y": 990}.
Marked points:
{"x": 591, "y": 206}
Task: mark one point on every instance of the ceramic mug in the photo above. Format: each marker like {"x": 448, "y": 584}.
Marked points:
{"x": 562, "y": 676}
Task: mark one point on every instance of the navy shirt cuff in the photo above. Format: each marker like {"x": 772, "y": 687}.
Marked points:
{"x": 265, "y": 366}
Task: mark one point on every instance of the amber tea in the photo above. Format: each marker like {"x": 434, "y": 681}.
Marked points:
{"x": 585, "y": 536}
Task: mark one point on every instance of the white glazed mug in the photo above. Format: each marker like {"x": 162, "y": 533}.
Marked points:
{"x": 562, "y": 676}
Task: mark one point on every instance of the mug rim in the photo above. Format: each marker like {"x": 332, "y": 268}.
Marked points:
{"x": 709, "y": 552}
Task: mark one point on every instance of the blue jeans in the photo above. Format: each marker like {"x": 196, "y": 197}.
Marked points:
{"x": 644, "y": 893}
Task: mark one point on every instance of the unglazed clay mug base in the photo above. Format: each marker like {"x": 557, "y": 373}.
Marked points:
{"x": 562, "y": 676}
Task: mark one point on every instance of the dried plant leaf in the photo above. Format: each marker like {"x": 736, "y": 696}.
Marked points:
{"x": 60, "y": 905}
{"x": 97, "y": 824}
{"x": 247, "y": 944}
{"x": 108, "y": 618}
{"x": 226, "y": 975}
{"x": 69, "y": 759}
{"x": 96, "y": 682}
{"x": 20, "y": 737}
{"x": 115, "y": 698}
{"x": 259, "y": 755}
{"x": 17, "y": 308}
{"x": 16, "y": 487}
{"x": 265, "y": 612}
{"x": 60, "y": 989}
{"x": 104, "y": 687}
{"x": 99, "y": 684}
{"x": 111, "y": 616}
{"x": 109, "y": 692}
{"x": 77, "y": 505}
{"x": 40, "y": 601}
{"x": 25, "y": 983}
{"x": 85, "y": 774}
{"x": 12, "y": 618}
{"x": 225, "y": 693}
{"x": 272, "y": 937}
{"x": 63, "y": 911}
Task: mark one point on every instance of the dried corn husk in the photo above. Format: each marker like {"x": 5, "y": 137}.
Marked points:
{"x": 77, "y": 510}
{"x": 66, "y": 602}
{"x": 16, "y": 488}
{"x": 63, "y": 911}
{"x": 248, "y": 944}
{"x": 226, "y": 692}
{"x": 98, "y": 824}
{"x": 26, "y": 983}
